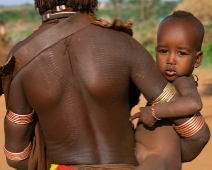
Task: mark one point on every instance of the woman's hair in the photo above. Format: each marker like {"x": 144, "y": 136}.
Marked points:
{"x": 77, "y": 5}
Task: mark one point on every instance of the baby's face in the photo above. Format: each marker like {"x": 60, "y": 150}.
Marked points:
{"x": 176, "y": 49}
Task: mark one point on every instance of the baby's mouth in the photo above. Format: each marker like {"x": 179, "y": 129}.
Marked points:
{"x": 170, "y": 72}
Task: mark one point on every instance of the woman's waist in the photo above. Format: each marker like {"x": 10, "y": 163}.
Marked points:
{"x": 94, "y": 167}
{"x": 93, "y": 156}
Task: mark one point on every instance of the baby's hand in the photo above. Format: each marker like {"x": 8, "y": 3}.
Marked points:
{"x": 145, "y": 116}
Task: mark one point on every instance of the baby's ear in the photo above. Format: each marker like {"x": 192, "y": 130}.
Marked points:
{"x": 199, "y": 56}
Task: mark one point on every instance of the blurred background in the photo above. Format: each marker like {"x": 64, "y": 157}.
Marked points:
{"x": 19, "y": 18}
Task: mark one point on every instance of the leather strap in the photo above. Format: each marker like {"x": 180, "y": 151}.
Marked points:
{"x": 48, "y": 38}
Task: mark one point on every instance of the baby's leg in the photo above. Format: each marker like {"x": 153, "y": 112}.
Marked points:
{"x": 158, "y": 148}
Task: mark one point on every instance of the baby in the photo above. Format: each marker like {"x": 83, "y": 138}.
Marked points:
{"x": 176, "y": 136}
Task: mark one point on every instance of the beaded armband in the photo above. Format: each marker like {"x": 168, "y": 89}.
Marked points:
{"x": 167, "y": 94}
{"x": 190, "y": 127}
{"x": 20, "y": 119}
{"x": 153, "y": 111}
{"x": 18, "y": 156}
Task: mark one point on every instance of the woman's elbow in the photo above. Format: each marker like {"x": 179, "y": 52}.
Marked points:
{"x": 19, "y": 165}
{"x": 191, "y": 149}
{"x": 197, "y": 105}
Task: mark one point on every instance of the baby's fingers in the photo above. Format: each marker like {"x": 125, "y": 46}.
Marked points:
{"x": 140, "y": 108}
{"x": 137, "y": 115}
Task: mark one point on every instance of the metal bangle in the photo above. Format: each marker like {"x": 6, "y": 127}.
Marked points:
{"x": 20, "y": 119}
{"x": 18, "y": 156}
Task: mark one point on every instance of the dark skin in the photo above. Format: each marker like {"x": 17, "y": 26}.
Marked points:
{"x": 80, "y": 95}
{"x": 176, "y": 57}
{"x": 74, "y": 93}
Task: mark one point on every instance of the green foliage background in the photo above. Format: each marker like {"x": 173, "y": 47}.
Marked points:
{"x": 23, "y": 20}
{"x": 25, "y": 13}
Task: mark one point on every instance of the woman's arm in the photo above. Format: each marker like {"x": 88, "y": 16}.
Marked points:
{"x": 178, "y": 109}
{"x": 19, "y": 128}
{"x": 190, "y": 146}
{"x": 188, "y": 104}
{"x": 18, "y": 141}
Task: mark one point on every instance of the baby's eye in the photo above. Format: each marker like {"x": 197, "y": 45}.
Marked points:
{"x": 182, "y": 53}
{"x": 163, "y": 51}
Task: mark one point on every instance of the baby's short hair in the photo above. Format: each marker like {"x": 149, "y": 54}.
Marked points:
{"x": 190, "y": 18}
